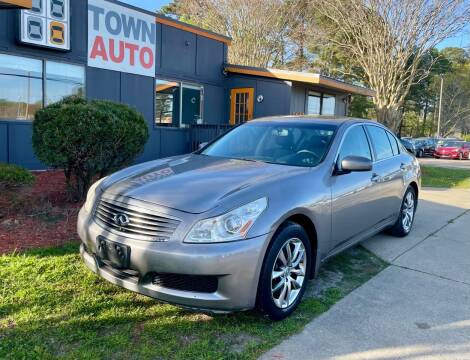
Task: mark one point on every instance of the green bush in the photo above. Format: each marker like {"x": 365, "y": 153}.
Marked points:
{"x": 13, "y": 175}
{"x": 88, "y": 139}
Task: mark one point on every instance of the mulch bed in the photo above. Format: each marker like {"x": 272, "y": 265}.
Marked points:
{"x": 37, "y": 215}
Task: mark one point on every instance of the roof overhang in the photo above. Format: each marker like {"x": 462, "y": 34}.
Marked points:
{"x": 16, "y": 4}
{"x": 161, "y": 19}
{"x": 307, "y": 78}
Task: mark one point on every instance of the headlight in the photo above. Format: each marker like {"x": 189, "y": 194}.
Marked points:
{"x": 231, "y": 226}
{"x": 91, "y": 195}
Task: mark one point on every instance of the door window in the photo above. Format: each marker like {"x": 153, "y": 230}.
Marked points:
{"x": 241, "y": 105}
{"x": 355, "y": 143}
{"x": 380, "y": 142}
{"x": 393, "y": 142}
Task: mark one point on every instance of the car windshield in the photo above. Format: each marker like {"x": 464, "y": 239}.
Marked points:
{"x": 452, "y": 144}
{"x": 279, "y": 143}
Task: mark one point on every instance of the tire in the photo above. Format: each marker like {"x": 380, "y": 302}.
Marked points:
{"x": 460, "y": 156}
{"x": 276, "y": 278}
{"x": 420, "y": 153}
{"x": 402, "y": 227}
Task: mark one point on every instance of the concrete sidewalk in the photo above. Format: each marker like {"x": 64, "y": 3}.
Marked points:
{"x": 417, "y": 308}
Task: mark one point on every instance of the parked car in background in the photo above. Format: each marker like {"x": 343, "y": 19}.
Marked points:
{"x": 249, "y": 218}
{"x": 425, "y": 146}
{"x": 453, "y": 150}
{"x": 409, "y": 145}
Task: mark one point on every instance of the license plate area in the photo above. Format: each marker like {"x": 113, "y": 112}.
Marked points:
{"x": 112, "y": 253}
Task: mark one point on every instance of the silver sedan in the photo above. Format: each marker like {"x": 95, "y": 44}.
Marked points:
{"x": 245, "y": 221}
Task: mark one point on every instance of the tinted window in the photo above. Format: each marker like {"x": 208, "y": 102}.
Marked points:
{"x": 63, "y": 80}
{"x": 380, "y": 143}
{"x": 20, "y": 87}
{"x": 279, "y": 143}
{"x": 394, "y": 144}
{"x": 355, "y": 144}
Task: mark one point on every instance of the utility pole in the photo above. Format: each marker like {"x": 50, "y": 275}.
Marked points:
{"x": 440, "y": 108}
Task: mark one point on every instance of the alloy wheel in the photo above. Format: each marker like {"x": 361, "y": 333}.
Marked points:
{"x": 288, "y": 274}
{"x": 408, "y": 211}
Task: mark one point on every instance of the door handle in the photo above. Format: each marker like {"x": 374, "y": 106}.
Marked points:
{"x": 403, "y": 167}
{"x": 375, "y": 178}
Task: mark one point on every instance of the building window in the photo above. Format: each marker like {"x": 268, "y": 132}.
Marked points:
{"x": 328, "y": 105}
{"x": 167, "y": 103}
{"x": 20, "y": 87}
{"x": 63, "y": 80}
{"x": 320, "y": 104}
{"x": 178, "y": 104}
{"x": 314, "y": 103}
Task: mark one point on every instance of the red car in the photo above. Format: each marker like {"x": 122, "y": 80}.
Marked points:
{"x": 453, "y": 150}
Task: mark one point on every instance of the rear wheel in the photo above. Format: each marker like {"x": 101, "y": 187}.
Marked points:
{"x": 420, "y": 153}
{"x": 460, "y": 156}
{"x": 407, "y": 214}
{"x": 285, "y": 272}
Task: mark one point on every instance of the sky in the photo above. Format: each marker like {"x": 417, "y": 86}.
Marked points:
{"x": 151, "y": 5}
{"x": 460, "y": 40}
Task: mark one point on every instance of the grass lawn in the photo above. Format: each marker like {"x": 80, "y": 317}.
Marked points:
{"x": 445, "y": 178}
{"x": 51, "y": 307}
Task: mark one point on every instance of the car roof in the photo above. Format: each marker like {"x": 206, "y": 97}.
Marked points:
{"x": 312, "y": 119}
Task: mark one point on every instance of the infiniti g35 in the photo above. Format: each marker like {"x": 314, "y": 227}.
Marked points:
{"x": 245, "y": 221}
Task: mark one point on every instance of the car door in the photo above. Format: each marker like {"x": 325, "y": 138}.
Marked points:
{"x": 387, "y": 174}
{"x": 351, "y": 192}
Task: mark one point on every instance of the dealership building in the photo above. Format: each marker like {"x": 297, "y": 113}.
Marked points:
{"x": 173, "y": 73}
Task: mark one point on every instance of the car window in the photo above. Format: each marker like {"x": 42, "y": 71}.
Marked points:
{"x": 393, "y": 142}
{"x": 355, "y": 144}
{"x": 380, "y": 143}
{"x": 286, "y": 143}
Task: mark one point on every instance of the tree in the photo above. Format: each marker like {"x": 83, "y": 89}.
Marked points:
{"x": 258, "y": 29}
{"x": 388, "y": 40}
{"x": 455, "y": 114}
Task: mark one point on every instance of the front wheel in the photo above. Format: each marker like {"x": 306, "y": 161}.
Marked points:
{"x": 285, "y": 272}
{"x": 460, "y": 156}
{"x": 407, "y": 214}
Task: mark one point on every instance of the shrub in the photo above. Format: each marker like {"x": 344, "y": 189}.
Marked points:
{"x": 87, "y": 139}
{"x": 13, "y": 175}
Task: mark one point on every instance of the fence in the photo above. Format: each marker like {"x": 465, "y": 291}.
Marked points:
{"x": 202, "y": 133}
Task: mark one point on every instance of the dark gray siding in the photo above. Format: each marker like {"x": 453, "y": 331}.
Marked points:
{"x": 276, "y": 94}
{"x": 181, "y": 56}
{"x": 15, "y": 136}
{"x": 9, "y": 25}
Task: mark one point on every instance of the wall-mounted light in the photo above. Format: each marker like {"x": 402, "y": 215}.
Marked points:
{"x": 260, "y": 98}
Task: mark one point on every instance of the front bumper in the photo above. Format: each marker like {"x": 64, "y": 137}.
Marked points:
{"x": 236, "y": 265}
{"x": 446, "y": 155}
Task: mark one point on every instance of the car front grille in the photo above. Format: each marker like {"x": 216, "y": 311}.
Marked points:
{"x": 196, "y": 283}
{"x": 140, "y": 223}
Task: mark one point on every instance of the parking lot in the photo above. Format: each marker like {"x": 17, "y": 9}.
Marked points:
{"x": 445, "y": 163}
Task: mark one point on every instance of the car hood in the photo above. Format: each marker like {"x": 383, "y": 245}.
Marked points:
{"x": 191, "y": 183}
{"x": 447, "y": 148}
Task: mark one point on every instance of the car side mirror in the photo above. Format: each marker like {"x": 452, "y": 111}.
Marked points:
{"x": 201, "y": 145}
{"x": 355, "y": 163}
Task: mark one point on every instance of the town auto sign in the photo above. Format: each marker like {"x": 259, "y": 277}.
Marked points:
{"x": 121, "y": 39}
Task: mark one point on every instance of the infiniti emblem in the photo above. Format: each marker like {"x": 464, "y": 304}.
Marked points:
{"x": 121, "y": 220}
